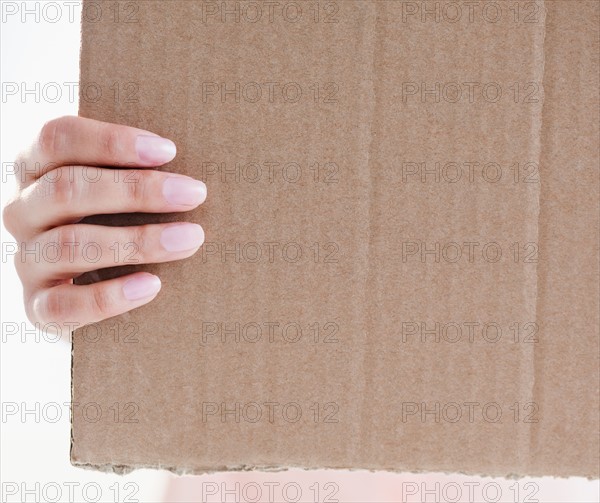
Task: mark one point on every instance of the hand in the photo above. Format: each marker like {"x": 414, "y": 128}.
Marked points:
{"x": 66, "y": 175}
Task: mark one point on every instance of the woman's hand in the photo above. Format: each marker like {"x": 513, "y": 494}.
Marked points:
{"x": 66, "y": 175}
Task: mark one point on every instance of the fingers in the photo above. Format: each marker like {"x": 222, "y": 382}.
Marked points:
{"x": 69, "y": 250}
{"x": 78, "y": 305}
{"x": 77, "y": 140}
{"x": 69, "y": 193}
{"x": 65, "y": 175}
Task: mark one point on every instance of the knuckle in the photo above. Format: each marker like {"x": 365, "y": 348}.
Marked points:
{"x": 111, "y": 143}
{"x": 135, "y": 189}
{"x": 54, "y": 136}
{"x": 62, "y": 188}
{"x": 52, "y": 306}
{"x": 138, "y": 238}
{"x": 23, "y": 269}
{"x": 22, "y": 263}
{"x": 30, "y": 313}
{"x": 9, "y": 216}
{"x": 101, "y": 302}
{"x": 68, "y": 241}
{"x": 16, "y": 169}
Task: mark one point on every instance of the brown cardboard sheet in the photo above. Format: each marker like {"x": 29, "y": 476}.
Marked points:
{"x": 401, "y": 261}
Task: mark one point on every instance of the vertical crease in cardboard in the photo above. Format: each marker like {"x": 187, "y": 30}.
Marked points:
{"x": 372, "y": 38}
{"x": 536, "y": 381}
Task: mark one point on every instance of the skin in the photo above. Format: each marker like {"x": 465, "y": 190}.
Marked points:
{"x": 68, "y": 173}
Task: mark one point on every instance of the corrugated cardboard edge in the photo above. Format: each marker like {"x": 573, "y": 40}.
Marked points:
{"x": 127, "y": 469}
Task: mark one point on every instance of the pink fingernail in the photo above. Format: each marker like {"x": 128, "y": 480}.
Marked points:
{"x": 155, "y": 149}
{"x": 141, "y": 286}
{"x": 181, "y": 237}
{"x": 184, "y": 191}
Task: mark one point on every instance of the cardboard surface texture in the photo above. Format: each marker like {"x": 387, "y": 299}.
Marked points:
{"x": 401, "y": 261}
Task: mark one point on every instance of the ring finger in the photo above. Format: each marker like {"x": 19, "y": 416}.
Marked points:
{"x": 70, "y": 250}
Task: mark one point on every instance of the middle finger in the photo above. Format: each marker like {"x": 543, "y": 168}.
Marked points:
{"x": 66, "y": 194}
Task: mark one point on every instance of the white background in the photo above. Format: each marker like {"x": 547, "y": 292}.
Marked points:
{"x": 42, "y": 48}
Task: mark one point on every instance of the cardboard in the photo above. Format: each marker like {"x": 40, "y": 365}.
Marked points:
{"x": 401, "y": 260}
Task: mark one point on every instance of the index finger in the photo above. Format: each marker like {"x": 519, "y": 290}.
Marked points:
{"x": 78, "y": 140}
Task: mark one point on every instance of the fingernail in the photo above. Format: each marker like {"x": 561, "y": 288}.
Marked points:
{"x": 154, "y": 149}
{"x": 184, "y": 191}
{"x": 181, "y": 237}
{"x": 141, "y": 286}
